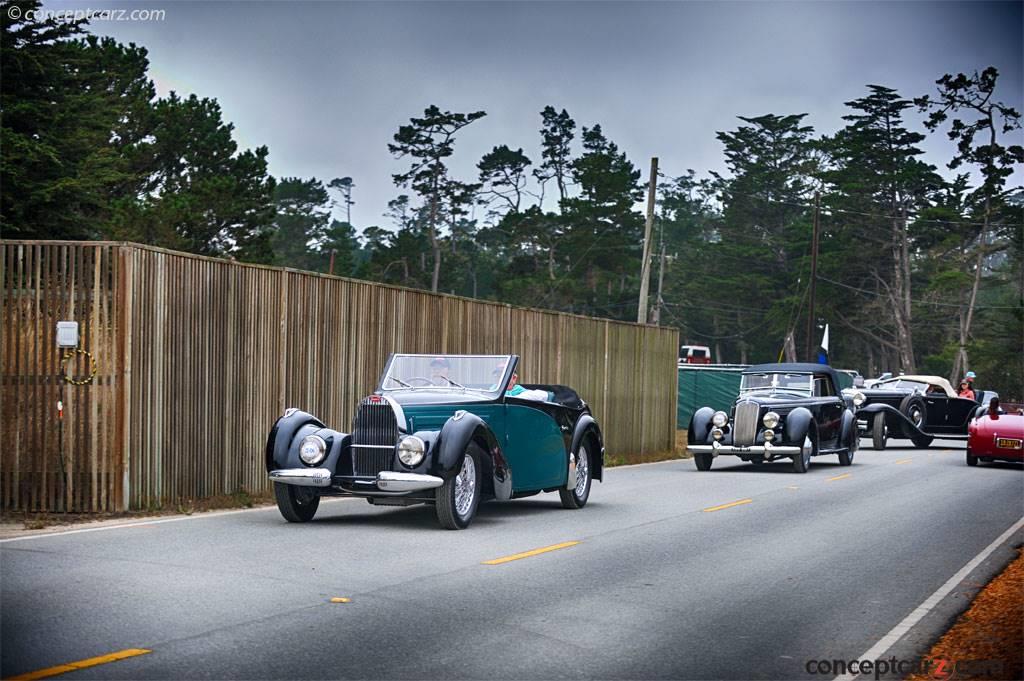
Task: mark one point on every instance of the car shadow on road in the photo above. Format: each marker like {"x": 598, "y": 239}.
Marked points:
{"x": 423, "y": 516}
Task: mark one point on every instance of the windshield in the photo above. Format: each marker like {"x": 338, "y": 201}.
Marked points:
{"x": 800, "y": 383}
{"x": 478, "y": 373}
{"x": 901, "y": 384}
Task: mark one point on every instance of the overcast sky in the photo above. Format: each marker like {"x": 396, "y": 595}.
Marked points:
{"x": 325, "y": 85}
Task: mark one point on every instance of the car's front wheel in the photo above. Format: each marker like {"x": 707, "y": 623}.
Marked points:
{"x": 457, "y": 500}
{"x": 802, "y": 461}
{"x": 703, "y": 461}
{"x": 297, "y": 504}
{"x": 578, "y": 495}
{"x": 879, "y": 431}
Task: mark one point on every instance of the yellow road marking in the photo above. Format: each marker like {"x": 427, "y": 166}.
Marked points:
{"x": 81, "y": 664}
{"x": 341, "y": 599}
{"x": 527, "y": 554}
{"x": 729, "y": 505}
{"x": 904, "y": 461}
{"x": 839, "y": 477}
{"x": 793, "y": 487}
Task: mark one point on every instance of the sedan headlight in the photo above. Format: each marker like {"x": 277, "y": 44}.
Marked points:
{"x": 312, "y": 449}
{"x": 411, "y": 450}
{"x": 858, "y": 398}
{"x": 720, "y": 419}
{"x": 770, "y": 420}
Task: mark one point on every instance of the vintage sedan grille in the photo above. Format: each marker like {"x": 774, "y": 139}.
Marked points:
{"x": 374, "y": 436}
{"x": 744, "y": 426}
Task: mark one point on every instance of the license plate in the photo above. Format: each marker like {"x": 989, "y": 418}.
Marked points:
{"x": 1008, "y": 443}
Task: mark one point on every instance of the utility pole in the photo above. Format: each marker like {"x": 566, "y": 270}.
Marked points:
{"x": 814, "y": 278}
{"x": 645, "y": 267}
{"x": 656, "y": 316}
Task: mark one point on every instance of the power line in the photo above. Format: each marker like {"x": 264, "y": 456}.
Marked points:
{"x": 870, "y": 215}
{"x": 919, "y": 302}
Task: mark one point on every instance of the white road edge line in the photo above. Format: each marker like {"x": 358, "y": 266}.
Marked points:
{"x": 141, "y": 523}
{"x": 878, "y": 650}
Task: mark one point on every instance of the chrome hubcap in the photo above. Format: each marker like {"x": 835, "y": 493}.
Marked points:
{"x": 805, "y": 451}
{"x": 465, "y": 486}
{"x": 582, "y": 471}
{"x": 916, "y": 417}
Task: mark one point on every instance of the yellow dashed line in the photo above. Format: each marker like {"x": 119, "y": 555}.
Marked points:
{"x": 792, "y": 487}
{"x": 904, "y": 461}
{"x": 729, "y": 505}
{"x": 81, "y": 664}
{"x": 341, "y": 599}
{"x": 840, "y": 477}
{"x": 527, "y": 554}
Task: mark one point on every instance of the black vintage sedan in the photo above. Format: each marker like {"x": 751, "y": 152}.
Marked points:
{"x": 918, "y": 408}
{"x": 793, "y": 411}
{"x": 442, "y": 431}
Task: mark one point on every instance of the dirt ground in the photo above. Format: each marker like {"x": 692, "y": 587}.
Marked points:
{"x": 987, "y": 642}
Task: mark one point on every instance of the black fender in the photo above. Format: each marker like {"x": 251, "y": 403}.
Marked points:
{"x": 449, "y": 446}
{"x": 848, "y": 431}
{"x": 798, "y": 423}
{"x": 586, "y": 426}
{"x": 287, "y": 433}
{"x": 893, "y": 417}
{"x": 700, "y": 426}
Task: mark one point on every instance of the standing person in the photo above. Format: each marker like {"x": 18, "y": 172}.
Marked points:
{"x": 439, "y": 368}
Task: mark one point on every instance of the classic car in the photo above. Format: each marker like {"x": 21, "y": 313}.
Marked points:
{"x": 783, "y": 411}
{"x": 995, "y": 436}
{"x": 440, "y": 431}
{"x": 919, "y": 408}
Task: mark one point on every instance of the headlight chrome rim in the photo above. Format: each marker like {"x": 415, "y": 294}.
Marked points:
{"x": 312, "y": 450}
{"x": 859, "y": 398}
{"x": 719, "y": 419}
{"x": 411, "y": 451}
{"x": 770, "y": 420}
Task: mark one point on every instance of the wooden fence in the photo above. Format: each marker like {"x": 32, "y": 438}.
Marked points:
{"x": 197, "y": 356}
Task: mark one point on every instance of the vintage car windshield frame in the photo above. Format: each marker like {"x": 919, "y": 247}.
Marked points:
{"x": 894, "y": 384}
{"x": 390, "y": 382}
{"x": 775, "y": 386}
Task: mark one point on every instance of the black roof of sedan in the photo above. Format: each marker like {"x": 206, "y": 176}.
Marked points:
{"x": 796, "y": 368}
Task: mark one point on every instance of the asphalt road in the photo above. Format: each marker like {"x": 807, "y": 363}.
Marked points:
{"x": 813, "y": 567}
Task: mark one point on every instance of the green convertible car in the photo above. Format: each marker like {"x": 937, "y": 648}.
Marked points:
{"x": 441, "y": 430}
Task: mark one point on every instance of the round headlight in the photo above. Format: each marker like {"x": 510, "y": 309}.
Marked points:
{"x": 769, "y": 435}
{"x": 858, "y": 399}
{"x": 717, "y": 433}
{"x": 720, "y": 419}
{"x": 411, "y": 450}
{"x": 312, "y": 449}
{"x": 770, "y": 420}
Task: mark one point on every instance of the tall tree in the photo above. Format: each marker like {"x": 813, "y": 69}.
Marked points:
{"x": 73, "y": 110}
{"x": 881, "y": 183}
{"x": 200, "y": 193}
{"x": 302, "y": 214}
{"x": 974, "y": 98}
{"x": 503, "y": 176}
{"x": 429, "y": 141}
{"x": 556, "y": 143}
{"x": 765, "y": 224}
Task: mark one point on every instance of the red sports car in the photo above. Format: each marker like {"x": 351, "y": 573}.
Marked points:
{"x": 995, "y": 436}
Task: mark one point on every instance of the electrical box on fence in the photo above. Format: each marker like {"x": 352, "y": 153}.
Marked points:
{"x": 67, "y": 334}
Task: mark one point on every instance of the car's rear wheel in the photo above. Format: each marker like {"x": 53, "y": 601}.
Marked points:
{"x": 879, "y": 431}
{"x": 703, "y": 461}
{"x": 802, "y": 461}
{"x": 971, "y": 459}
{"x": 578, "y": 495}
{"x": 457, "y": 500}
{"x": 297, "y": 504}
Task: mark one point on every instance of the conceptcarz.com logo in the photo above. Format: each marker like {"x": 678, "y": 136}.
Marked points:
{"x": 936, "y": 668}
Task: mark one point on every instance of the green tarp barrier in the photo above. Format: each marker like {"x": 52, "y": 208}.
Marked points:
{"x": 715, "y": 387}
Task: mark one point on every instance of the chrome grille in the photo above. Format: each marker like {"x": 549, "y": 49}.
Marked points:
{"x": 374, "y": 436}
{"x": 744, "y": 425}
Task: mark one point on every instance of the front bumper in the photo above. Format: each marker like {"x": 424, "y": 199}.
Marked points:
{"x": 386, "y": 481}
{"x": 767, "y": 450}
